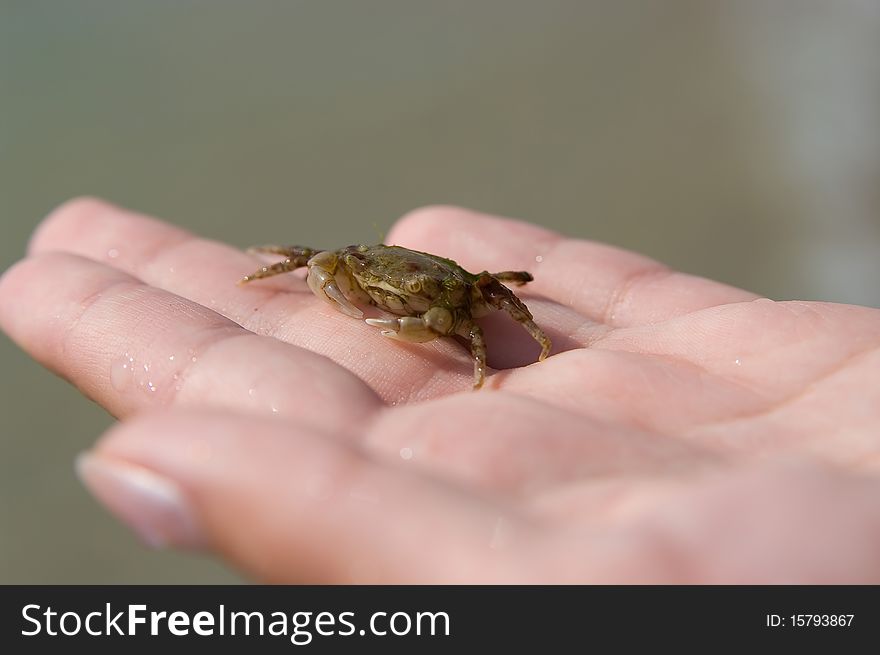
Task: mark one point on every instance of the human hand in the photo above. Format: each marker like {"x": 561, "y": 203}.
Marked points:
{"x": 681, "y": 431}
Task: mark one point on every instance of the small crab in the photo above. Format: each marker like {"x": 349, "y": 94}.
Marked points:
{"x": 434, "y": 297}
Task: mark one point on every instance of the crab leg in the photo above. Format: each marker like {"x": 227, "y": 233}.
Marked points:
{"x": 518, "y": 278}
{"x": 500, "y": 297}
{"x": 296, "y": 257}
{"x": 474, "y": 334}
{"x": 294, "y": 252}
{"x": 417, "y": 330}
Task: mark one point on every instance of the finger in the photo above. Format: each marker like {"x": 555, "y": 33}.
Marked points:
{"x": 609, "y": 285}
{"x": 778, "y": 348}
{"x": 283, "y": 307}
{"x": 156, "y": 252}
{"x": 642, "y": 392}
{"x": 129, "y": 347}
{"x": 519, "y": 447}
{"x": 286, "y": 505}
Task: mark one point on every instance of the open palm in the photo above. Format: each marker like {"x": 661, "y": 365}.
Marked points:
{"x": 681, "y": 431}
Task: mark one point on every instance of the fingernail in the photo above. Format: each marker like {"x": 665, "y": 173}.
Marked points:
{"x": 150, "y": 504}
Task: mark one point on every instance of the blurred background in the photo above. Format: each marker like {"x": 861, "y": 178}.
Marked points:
{"x": 735, "y": 140}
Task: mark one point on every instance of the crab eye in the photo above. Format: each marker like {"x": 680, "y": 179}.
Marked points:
{"x": 354, "y": 262}
{"x": 413, "y": 285}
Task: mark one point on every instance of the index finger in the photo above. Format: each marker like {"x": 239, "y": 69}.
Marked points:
{"x": 133, "y": 347}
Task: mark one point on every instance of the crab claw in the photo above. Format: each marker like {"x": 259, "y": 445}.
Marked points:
{"x": 406, "y": 328}
{"x": 323, "y": 284}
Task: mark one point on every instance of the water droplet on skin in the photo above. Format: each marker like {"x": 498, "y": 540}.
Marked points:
{"x": 146, "y": 368}
{"x": 252, "y": 392}
{"x": 501, "y": 534}
{"x": 170, "y": 358}
{"x": 113, "y": 253}
{"x": 120, "y": 374}
{"x": 406, "y": 453}
{"x": 737, "y": 362}
{"x": 539, "y": 258}
{"x": 193, "y": 359}
{"x": 274, "y": 409}
{"x": 151, "y": 386}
